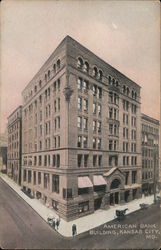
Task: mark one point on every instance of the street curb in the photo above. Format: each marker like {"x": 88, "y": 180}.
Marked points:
{"x": 33, "y": 209}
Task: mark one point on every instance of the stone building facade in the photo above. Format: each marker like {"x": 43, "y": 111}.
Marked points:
{"x": 81, "y": 134}
{"x": 150, "y": 153}
{"x": 14, "y": 153}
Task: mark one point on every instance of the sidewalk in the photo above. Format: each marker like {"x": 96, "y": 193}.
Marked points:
{"x": 84, "y": 223}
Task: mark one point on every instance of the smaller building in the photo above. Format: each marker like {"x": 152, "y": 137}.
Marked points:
{"x": 14, "y": 145}
{"x": 150, "y": 154}
{"x": 3, "y": 151}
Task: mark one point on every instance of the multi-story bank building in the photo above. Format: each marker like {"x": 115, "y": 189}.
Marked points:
{"x": 81, "y": 133}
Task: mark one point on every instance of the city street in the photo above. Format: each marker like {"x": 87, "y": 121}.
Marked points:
{"x": 21, "y": 227}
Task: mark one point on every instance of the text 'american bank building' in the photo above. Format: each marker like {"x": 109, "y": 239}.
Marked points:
{"x": 81, "y": 134}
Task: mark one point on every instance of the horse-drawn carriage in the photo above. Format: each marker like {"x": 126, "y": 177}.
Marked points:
{"x": 120, "y": 214}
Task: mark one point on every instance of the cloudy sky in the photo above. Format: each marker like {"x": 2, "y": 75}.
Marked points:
{"x": 123, "y": 33}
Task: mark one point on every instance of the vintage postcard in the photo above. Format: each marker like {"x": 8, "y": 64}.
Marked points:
{"x": 80, "y": 125}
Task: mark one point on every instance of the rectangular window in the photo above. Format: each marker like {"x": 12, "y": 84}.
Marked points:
{"x": 79, "y": 103}
{"x": 45, "y": 160}
{"x": 94, "y": 108}
{"x": 24, "y": 175}
{"x": 34, "y": 177}
{"x": 79, "y": 143}
{"x": 100, "y": 160}
{"x": 39, "y": 160}
{"x": 94, "y": 143}
{"x": 55, "y": 183}
{"x": 94, "y": 126}
{"x": 85, "y": 124}
{"x": 99, "y": 92}
{"x": 83, "y": 206}
{"x": 79, "y": 160}
{"x": 85, "y": 161}
{"x": 85, "y": 86}
{"x": 29, "y": 176}
{"x": 110, "y": 144}
{"x": 79, "y": 122}
{"x": 85, "y": 105}
{"x": 126, "y": 178}
{"x": 94, "y": 90}
{"x": 94, "y": 160}
{"x": 85, "y": 141}
{"x": 134, "y": 177}
{"x": 99, "y": 143}
{"x": 80, "y": 83}
{"x": 99, "y": 110}
{"x": 99, "y": 127}
{"x": 39, "y": 178}
{"x": 58, "y": 161}
{"x": 54, "y": 160}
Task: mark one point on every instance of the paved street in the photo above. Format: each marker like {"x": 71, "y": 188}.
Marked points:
{"x": 22, "y": 227}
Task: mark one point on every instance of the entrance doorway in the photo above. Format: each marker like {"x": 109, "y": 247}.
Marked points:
{"x": 127, "y": 193}
{"x": 134, "y": 192}
{"x": 117, "y": 198}
{"x": 97, "y": 203}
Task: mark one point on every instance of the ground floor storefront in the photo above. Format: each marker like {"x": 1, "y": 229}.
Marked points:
{"x": 88, "y": 193}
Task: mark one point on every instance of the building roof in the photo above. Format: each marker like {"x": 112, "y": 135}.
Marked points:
{"x": 69, "y": 39}
{"x": 149, "y": 119}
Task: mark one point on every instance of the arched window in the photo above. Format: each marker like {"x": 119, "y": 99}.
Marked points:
{"x": 95, "y": 72}
{"x": 80, "y": 63}
{"x": 58, "y": 64}
{"x": 135, "y": 95}
{"x": 45, "y": 77}
{"x": 127, "y": 91}
{"x": 124, "y": 89}
{"x": 100, "y": 75}
{"x": 48, "y": 73}
{"x": 115, "y": 184}
{"x": 132, "y": 94}
{"x": 117, "y": 84}
{"x": 54, "y": 67}
{"x": 40, "y": 84}
{"x": 113, "y": 82}
{"x": 86, "y": 67}
{"x": 109, "y": 79}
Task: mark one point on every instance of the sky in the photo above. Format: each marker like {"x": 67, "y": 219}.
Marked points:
{"x": 126, "y": 34}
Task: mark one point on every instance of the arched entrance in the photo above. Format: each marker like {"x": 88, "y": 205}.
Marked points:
{"x": 114, "y": 192}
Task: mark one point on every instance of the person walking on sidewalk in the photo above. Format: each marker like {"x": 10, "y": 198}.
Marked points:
{"x": 57, "y": 223}
{"x": 74, "y": 229}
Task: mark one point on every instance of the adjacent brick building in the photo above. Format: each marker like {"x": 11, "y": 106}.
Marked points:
{"x": 14, "y": 145}
{"x": 150, "y": 153}
{"x": 81, "y": 135}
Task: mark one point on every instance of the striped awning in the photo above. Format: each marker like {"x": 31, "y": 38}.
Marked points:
{"x": 84, "y": 182}
{"x": 98, "y": 180}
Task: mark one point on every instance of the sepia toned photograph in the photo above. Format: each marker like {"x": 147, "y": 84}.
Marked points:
{"x": 80, "y": 163}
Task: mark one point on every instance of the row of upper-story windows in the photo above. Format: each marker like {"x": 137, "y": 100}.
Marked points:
{"x": 48, "y": 75}
{"x": 147, "y": 163}
{"x": 83, "y": 85}
{"x": 126, "y": 160}
{"x": 126, "y": 91}
{"x": 82, "y": 160}
{"x": 84, "y": 65}
{"x": 150, "y": 129}
{"x": 83, "y": 142}
{"x": 147, "y": 175}
{"x": 113, "y": 129}
{"x": 29, "y": 110}
{"x": 46, "y": 160}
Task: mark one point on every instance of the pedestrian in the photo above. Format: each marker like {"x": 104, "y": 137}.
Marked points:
{"x": 74, "y": 229}
{"x": 54, "y": 223}
{"x": 57, "y": 223}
